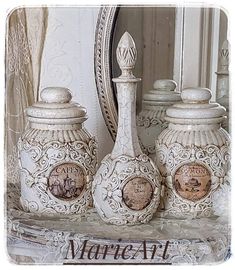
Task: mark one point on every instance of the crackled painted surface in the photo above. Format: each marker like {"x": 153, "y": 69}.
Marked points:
{"x": 57, "y": 156}
{"x": 126, "y": 187}
{"x": 193, "y": 156}
{"x": 127, "y": 141}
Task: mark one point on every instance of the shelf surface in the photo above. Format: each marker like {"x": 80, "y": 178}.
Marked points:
{"x": 86, "y": 238}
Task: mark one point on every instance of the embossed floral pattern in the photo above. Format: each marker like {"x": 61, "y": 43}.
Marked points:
{"x": 44, "y": 156}
{"x": 108, "y": 193}
{"x": 216, "y": 159}
{"x": 113, "y": 175}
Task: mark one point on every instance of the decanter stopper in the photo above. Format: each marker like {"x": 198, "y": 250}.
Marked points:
{"x": 126, "y": 187}
{"x": 126, "y": 55}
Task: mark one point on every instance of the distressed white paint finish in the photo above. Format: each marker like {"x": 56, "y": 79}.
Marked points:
{"x": 126, "y": 187}
{"x": 68, "y": 61}
{"x": 193, "y": 155}
{"x": 57, "y": 156}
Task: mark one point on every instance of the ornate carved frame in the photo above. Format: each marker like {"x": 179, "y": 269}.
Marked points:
{"x": 102, "y": 63}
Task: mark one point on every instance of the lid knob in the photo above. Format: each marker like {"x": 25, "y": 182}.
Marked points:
{"x": 56, "y": 95}
{"x": 168, "y": 85}
{"x": 126, "y": 55}
{"x": 196, "y": 95}
{"x": 126, "y": 52}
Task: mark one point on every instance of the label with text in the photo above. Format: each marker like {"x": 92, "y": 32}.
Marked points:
{"x": 66, "y": 181}
{"x": 192, "y": 181}
{"x": 137, "y": 193}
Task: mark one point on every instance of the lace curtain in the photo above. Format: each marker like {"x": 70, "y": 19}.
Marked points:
{"x": 26, "y": 30}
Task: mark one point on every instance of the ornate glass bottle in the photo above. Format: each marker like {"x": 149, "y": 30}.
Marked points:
{"x": 192, "y": 155}
{"x": 126, "y": 187}
{"x": 151, "y": 120}
{"x": 57, "y": 156}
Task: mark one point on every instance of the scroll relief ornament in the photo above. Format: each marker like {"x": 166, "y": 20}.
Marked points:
{"x": 193, "y": 156}
{"x": 126, "y": 187}
{"x": 57, "y": 161}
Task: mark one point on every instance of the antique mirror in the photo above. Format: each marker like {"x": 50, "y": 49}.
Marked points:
{"x": 177, "y": 43}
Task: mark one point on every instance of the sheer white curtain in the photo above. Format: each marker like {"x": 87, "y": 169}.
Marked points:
{"x": 25, "y": 35}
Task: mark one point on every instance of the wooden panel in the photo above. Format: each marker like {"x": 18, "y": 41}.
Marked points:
{"x": 153, "y": 29}
{"x": 158, "y": 47}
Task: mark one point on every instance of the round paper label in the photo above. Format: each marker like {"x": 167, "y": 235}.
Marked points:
{"x": 192, "y": 181}
{"x": 66, "y": 181}
{"x": 137, "y": 193}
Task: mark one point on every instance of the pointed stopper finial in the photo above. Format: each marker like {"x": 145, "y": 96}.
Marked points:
{"x": 126, "y": 54}
{"x": 224, "y": 56}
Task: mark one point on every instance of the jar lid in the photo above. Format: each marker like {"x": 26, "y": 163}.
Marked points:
{"x": 56, "y": 108}
{"x": 163, "y": 92}
{"x": 196, "y": 108}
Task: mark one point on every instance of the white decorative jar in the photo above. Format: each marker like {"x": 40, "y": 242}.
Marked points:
{"x": 126, "y": 187}
{"x": 193, "y": 156}
{"x": 58, "y": 157}
{"x": 151, "y": 120}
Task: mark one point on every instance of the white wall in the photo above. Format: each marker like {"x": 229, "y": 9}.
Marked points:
{"x": 68, "y": 60}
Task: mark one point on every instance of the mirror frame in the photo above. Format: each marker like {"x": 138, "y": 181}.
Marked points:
{"x": 105, "y": 27}
{"x": 102, "y": 64}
